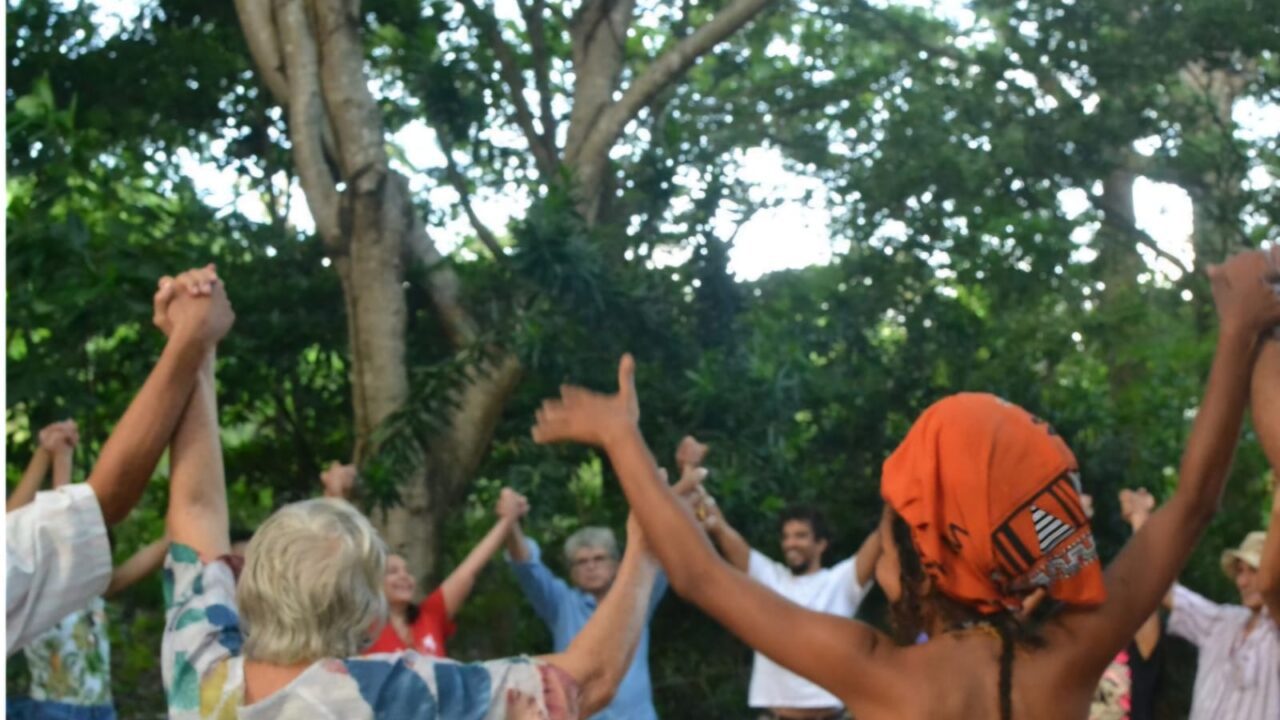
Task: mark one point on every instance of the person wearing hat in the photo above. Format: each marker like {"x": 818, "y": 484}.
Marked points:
{"x": 1238, "y": 675}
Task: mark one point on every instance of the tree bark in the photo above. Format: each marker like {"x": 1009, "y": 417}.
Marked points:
{"x": 311, "y": 59}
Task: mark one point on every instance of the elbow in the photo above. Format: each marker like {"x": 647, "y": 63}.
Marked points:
{"x": 598, "y": 691}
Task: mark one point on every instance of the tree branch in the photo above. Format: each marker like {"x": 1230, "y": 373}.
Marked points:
{"x": 260, "y": 32}
{"x": 440, "y": 280}
{"x": 596, "y": 33}
{"x": 669, "y": 67}
{"x": 362, "y": 155}
{"x": 479, "y": 407}
{"x": 307, "y": 120}
{"x": 1121, "y": 222}
{"x": 533, "y": 11}
{"x": 544, "y": 154}
{"x": 464, "y": 193}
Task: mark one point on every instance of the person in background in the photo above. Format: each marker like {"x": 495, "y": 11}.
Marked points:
{"x": 984, "y": 544}
{"x": 426, "y": 626}
{"x": 838, "y": 590}
{"x": 283, "y": 643}
{"x": 69, "y": 665}
{"x": 1128, "y": 687}
{"x": 57, "y": 554}
{"x": 592, "y": 556}
{"x": 1238, "y": 672}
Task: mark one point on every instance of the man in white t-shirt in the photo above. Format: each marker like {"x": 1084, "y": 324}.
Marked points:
{"x": 801, "y": 578}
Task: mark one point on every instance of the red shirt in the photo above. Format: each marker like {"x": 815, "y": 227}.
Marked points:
{"x": 430, "y": 630}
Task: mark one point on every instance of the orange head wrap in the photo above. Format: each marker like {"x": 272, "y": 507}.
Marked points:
{"x": 992, "y": 497}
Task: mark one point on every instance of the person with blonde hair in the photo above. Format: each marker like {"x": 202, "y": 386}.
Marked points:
{"x": 285, "y": 643}
{"x": 984, "y": 544}
{"x": 428, "y": 625}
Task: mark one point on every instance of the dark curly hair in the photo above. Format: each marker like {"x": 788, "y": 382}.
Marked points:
{"x": 917, "y": 612}
{"x": 809, "y": 514}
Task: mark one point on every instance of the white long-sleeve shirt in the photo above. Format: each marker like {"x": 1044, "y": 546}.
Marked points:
{"x": 1238, "y": 675}
{"x": 58, "y": 557}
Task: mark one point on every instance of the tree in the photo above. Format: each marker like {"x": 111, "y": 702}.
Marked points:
{"x": 311, "y": 58}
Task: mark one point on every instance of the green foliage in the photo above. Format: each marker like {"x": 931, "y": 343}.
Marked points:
{"x": 944, "y": 151}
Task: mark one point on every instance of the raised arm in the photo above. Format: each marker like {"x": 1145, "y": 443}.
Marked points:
{"x": 1266, "y": 421}
{"x": 1150, "y": 562}
{"x": 141, "y": 564}
{"x": 817, "y": 646}
{"x": 1136, "y": 508}
{"x": 865, "y": 560}
{"x": 32, "y": 478}
{"x": 62, "y": 446}
{"x": 55, "y": 445}
{"x": 517, "y": 545}
{"x": 732, "y": 545}
{"x": 131, "y": 453}
{"x": 457, "y": 587}
{"x": 197, "y": 514}
{"x": 599, "y": 656}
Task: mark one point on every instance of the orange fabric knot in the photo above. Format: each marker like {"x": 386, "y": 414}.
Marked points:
{"x": 992, "y": 496}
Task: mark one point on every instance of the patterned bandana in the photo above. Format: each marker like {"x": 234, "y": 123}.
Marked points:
{"x": 992, "y": 497}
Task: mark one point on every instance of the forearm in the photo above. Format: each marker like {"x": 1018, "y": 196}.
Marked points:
{"x": 131, "y": 453}
{"x": 141, "y": 564}
{"x": 197, "y": 493}
{"x": 517, "y": 548}
{"x": 731, "y": 543}
{"x": 62, "y": 468}
{"x": 457, "y": 587}
{"x": 598, "y": 658}
{"x": 27, "y": 488}
{"x": 1214, "y": 434}
{"x": 1265, "y": 401}
{"x": 673, "y": 534}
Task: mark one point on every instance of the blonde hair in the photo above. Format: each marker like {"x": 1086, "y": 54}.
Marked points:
{"x": 312, "y": 584}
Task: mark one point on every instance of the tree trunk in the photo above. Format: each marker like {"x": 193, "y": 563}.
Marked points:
{"x": 310, "y": 57}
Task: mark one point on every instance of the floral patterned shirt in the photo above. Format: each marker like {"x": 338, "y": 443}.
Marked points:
{"x": 204, "y": 671}
{"x": 1111, "y": 701}
{"x": 71, "y": 661}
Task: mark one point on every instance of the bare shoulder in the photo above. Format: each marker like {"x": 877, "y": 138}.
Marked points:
{"x": 958, "y": 677}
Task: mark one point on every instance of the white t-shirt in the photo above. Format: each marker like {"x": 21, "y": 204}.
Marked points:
{"x": 834, "y": 590}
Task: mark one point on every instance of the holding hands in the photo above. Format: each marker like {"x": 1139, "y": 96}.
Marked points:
{"x": 511, "y": 505}
{"x": 59, "y": 437}
{"x": 1136, "y": 506}
{"x": 1244, "y": 291}
{"x": 193, "y": 307}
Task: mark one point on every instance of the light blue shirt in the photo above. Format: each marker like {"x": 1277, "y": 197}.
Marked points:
{"x": 565, "y": 610}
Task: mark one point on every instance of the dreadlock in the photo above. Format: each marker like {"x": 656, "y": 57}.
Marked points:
{"x": 914, "y": 613}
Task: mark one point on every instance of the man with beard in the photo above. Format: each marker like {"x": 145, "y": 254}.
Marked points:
{"x": 837, "y": 590}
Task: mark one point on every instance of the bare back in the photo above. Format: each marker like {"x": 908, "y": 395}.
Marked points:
{"x": 957, "y": 677}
